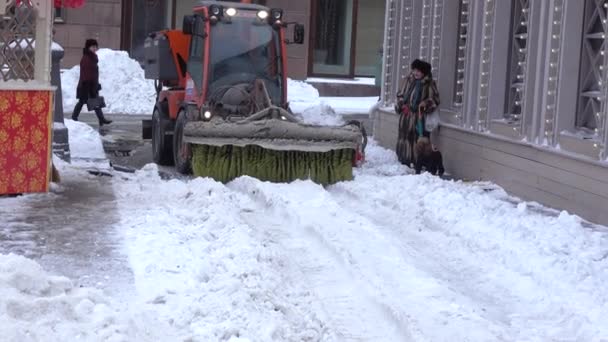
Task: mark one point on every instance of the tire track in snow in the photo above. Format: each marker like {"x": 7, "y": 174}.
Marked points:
{"x": 352, "y": 314}
{"x": 452, "y": 271}
{"x": 415, "y": 301}
{"x": 491, "y": 267}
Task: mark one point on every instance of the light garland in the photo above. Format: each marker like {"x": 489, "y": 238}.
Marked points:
{"x": 388, "y": 53}
{"x": 436, "y": 42}
{"x": 406, "y": 44}
{"x": 488, "y": 31}
{"x": 424, "y": 29}
{"x": 548, "y": 124}
{"x": 601, "y": 119}
{"x": 517, "y": 92}
{"x": 461, "y": 57}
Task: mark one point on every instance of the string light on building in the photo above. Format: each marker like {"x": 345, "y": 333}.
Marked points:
{"x": 406, "y": 33}
{"x": 548, "y": 125}
{"x": 436, "y": 39}
{"x": 601, "y": 119}
{"x": 518, "y": 65}
{"x": 461, "y": 58}
{"x": 424, "y": 30}
{"x": 488, "y": 30}
{"x": 388, "y": 52}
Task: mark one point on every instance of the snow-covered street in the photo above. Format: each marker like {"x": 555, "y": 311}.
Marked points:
{"x": 389, "y": 256}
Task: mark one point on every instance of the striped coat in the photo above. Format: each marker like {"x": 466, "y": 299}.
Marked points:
{"x": 408, "y": 135}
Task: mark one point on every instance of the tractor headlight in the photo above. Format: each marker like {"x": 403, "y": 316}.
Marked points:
{"x": 207, "y": 115}
{"x": 263, "y": 14}
{"x": 231, "y": 12}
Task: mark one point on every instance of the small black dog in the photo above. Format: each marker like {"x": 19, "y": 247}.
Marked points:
{"x": 426, "y": 157}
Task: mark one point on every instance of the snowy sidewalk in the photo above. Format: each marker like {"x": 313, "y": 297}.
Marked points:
{"x": 70, "y": 231}
{"x": 389, "y": 256}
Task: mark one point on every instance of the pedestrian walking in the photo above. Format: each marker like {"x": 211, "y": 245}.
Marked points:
{"x": 88, "y": 88}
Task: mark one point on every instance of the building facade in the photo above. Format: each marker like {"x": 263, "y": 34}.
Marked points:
{"x": 100, "y": 19}
{"x": 523, "y": 93}
{"x": 344, "y": 37}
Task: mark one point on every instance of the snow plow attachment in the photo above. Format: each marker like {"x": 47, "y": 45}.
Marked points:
{"x": 273, "y": 146}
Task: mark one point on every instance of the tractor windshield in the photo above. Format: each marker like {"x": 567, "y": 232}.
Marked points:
{"x": 243, "y": 50}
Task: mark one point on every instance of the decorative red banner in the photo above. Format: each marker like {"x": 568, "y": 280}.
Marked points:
{"x": 25, "y": 141}
{"x": 60, "y": 3}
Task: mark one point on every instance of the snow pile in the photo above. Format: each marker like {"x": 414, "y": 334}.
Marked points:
{"x": 299, "y": 91}
{"x": 35, "y": 306}
{"x": 198, "y": 262}
{"x": 85, "y": 142}
{"x": 380, "y": 161}
{"x": 304, "y": 99}
{"x": 124, "y": 86}
{"x": 86, "y": 147}
{"x": 321, "y": 114}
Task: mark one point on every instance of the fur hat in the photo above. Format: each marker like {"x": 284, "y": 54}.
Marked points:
{"x": 421, "y": 65}
{"x": 89, "y": 43}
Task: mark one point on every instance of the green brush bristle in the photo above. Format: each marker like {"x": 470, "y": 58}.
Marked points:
{"x": 229, "y": 162}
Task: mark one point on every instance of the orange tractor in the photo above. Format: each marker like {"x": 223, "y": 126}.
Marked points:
{"x": 222, "y": 109}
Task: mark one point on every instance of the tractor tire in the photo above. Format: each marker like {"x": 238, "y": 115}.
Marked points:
{"x": 182, "y": 152}
{"x": 162, "y": 144}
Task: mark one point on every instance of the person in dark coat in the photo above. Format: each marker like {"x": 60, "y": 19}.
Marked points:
{"x": 417, "y": 97}
{"x": 88, "y": 84}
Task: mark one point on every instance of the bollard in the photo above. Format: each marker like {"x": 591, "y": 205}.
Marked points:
{"x": 61, "y": 146}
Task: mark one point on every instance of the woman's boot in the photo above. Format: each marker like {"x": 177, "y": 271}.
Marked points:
{"x": 101, "y": 118}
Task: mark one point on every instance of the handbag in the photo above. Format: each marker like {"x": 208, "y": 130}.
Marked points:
{"x": 96, "y": 102}
{"x": 431, "y": 121}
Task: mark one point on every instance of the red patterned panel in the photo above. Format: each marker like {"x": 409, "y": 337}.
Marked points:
{"x": 25, "y": 141}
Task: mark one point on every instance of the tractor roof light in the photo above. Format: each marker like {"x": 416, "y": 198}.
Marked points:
{"x": 231, "y": 12}
{"x": 263, "y": 14}
{"x": 215, "y": 13}
{"x": 215, "y": 10}
{"x": 276, "y": 14}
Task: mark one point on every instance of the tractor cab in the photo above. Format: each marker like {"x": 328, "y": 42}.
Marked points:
{"x": 232, "y": 46}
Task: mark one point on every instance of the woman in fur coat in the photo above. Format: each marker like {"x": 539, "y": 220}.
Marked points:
{"x": 417, "y": 97}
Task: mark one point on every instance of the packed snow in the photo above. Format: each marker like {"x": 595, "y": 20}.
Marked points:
{"x": 389, "y": 256}
{"x": 36, "y": 306}
{"x": 124, "y": 86}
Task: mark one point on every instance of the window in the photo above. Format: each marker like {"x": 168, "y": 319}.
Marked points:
{"x": 59, "y": 15}
{"x": 346, "y": 37}
{"x": 591, "y": 101}
{"x": 333, "y": 37}
{"x": 518, "y": 60}
{"x": 463, "y": 25}
{"x": 197, "y": 48}
{"x": 370, "y": 36}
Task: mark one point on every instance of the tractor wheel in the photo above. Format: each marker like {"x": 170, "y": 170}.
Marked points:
{"x": 162, "y": 149}
{"x": 182, "y": 152}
